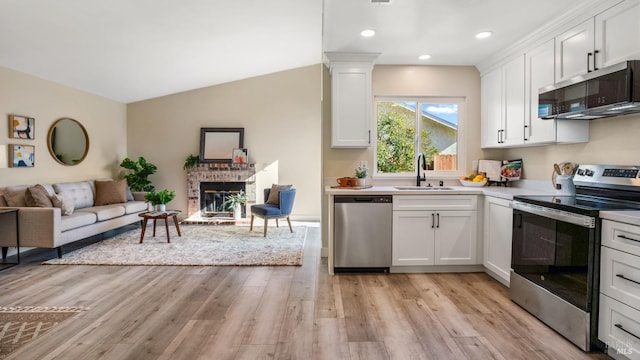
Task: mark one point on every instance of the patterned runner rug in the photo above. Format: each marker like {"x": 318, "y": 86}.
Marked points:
{"x": 198, "y": 245}
{"x": 21, "y": 325}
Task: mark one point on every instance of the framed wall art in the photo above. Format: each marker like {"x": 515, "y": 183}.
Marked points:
{"x": 217, "y": 144}
{"x": 22, "y": 155}
{"x": 22, "y": 127}
{"x": 240, "y": 156}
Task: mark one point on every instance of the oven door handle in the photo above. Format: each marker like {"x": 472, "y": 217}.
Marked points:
{"x": 560, "y": 215}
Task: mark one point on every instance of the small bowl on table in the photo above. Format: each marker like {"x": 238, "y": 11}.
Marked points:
{"x": 473, "y": 183}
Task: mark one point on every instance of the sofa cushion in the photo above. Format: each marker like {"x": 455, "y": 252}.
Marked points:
{"x": 105, "y": 212}
{"x": 77, "y": 220}
{"x": 80, "y": 192}
{"x": 63, "y": 202}
{"x": 131, "y": 207}
{"x": 110, "y": 192}
{"x": 14, "y": 195}
{"x": 274, "y": 194}
{"x": 37, "y": 196}
{"x": 266, "y": 210}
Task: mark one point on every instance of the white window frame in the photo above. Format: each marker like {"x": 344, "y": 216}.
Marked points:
{"x": 461, "y": 147}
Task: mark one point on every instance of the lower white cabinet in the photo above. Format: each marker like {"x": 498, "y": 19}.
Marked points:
{"x": 498, "y": 220}
{"x": 619, "y": 316}
{"x": 423, "y": 234}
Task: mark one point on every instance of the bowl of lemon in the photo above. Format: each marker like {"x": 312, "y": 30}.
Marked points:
{"x": 473, "y": 180}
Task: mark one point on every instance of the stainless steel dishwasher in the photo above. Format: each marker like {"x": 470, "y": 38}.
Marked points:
{"x": 362, "y": 233}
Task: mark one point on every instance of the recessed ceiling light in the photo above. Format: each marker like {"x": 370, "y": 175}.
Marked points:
{"x": 367, "y": 33}
{"x": 484, "y": 34}
{"x": 424, "y": 57}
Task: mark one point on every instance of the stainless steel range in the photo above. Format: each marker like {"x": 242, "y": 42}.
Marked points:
{"x": 555, "y": 257}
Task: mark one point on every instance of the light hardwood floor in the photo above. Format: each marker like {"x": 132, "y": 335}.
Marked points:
{"x": 140, "y": 312}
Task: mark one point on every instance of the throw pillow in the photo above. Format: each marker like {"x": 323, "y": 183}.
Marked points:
{"x": 111, "y": 192}
{"x": 3, "y": 202}
{"x": 129, "y": 194}
{"x": 274, "y": 195}
{"x": 15, "y": 198}
{"x": 80, "y": 192}
{"x": 62, "y": 202}
{"x": 37, "y": 196}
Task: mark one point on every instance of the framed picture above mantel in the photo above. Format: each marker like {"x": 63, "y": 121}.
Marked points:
{"x": 217, "y": 144}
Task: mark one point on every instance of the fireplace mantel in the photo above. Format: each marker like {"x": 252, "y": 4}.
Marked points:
{"x": 218, "y": 172}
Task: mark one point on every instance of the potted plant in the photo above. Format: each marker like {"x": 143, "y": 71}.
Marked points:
{"x": 191, "y": 161}
{"x": 139, "y": 171}
{"x": 160, "y": 199}
{"x": 361, "y": 173}
{"x": 235, "y": 202}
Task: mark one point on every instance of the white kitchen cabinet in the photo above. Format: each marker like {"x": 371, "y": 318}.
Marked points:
{"x": 540, "y": 68}
{"x": 351, "y": 100}
{"x": 498, "y": 220}
{"x": 610, "y": 37}
{"x": 434, "y": 230}
{"x": 619, "y": 318}
{"x": 503, "y": 101}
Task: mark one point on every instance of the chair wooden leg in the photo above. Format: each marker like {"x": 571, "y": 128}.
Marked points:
{"x": 251, "y": 226}
{"x": 266, "y": 220}
{"x": 277, "y": 224}
{"x": 289, "y": 221}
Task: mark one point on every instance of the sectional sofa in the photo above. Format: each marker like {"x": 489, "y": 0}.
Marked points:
{"x": 52, "y": 215}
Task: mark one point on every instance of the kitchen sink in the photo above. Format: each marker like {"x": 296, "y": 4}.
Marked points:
{"x": 422, "y": 188}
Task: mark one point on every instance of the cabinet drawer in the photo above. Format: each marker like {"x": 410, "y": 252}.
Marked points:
{"x": 621, "y": 236}
{"x": 620, "y": 276}
{"x": 618, "y": 327}
{"x": 434, "y": 202}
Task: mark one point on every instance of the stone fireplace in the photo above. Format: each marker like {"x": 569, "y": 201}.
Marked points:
{"x": 208, "y": 183}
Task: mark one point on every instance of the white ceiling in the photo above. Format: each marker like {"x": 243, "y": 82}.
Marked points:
{"x": 131, "y": 50}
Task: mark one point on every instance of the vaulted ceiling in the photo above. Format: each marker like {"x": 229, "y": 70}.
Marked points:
{"x": 131, "y": 50}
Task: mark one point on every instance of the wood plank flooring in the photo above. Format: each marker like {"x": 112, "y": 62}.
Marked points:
{"x": 146, "y": 312}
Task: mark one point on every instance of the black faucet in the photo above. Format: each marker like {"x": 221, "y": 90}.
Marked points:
{"x": 424, "y": 167}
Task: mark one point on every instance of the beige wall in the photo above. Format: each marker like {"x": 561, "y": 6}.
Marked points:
{"x": 611, "y": 141}
{"x": 105, "y": 122}
{"x": 280, "y": 114}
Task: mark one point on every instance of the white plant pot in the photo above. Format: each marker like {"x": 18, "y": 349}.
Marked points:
{"x": 237, "y": 213}
{"x": 361, "y": 181}
{"x": 161, "y": 207}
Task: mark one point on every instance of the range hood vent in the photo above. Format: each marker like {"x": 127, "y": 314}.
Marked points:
{"x": 608, "y": 92}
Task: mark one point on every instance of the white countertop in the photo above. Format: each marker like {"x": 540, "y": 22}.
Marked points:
{"x": 626, "y": 216}
{"x": 496, "y": 191}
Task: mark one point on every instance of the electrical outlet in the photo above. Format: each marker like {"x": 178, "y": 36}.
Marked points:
{"x": 363, "y": 164}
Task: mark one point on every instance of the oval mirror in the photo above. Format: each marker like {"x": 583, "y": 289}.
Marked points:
{"x": 68, "y": 141}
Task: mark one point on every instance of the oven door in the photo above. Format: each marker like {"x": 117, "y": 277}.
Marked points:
{"x": 555, "y": 250}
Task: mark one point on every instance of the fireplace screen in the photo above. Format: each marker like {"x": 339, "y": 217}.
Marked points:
{"x": 213, "y": 196}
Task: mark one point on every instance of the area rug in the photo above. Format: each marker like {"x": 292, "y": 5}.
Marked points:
{"x": 21, "y": 325}
{"x": 199, "y": 245}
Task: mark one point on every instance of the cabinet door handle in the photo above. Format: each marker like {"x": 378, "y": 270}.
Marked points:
{"x": 526, "y": 127}
{"x": 619, "y": 326}
{"x": 498, "y": 133}
{"x": 438, "y": 217}
{"x": 628, "y": 238}
{"x": 626, "y": 278}
{"x": 595, "y": 56}
{"x": 369, "y": 137}
{"x": 589, "y": 55}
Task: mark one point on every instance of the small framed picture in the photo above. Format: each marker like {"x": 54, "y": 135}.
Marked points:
{"x": 22, "y": 155}
{"x": 240, "y": 156}
{"x": 22, "y": 127}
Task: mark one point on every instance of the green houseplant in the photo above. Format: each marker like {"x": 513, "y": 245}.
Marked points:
{"x": 160, "y": 198}
{"x": 191, "y": 161}
{"x": 139, "y": 171}
{"x": 234, "y": 202}
{"x": 361, "y": 173}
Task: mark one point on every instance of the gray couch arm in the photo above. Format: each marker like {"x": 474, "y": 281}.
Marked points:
{"x": 39, "y": 227}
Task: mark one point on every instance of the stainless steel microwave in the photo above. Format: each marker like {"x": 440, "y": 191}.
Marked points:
{"x": 607, "y": 92}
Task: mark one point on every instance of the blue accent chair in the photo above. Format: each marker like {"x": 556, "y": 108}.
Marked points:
{"x": 271, "y": 211}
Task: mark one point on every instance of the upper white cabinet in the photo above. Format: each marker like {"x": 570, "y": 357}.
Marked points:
{"x": 503, "y": 105}
{"x": 351, "y": 101}
{"x": 608, "y": 38}
{"x": 539, "y": 65}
